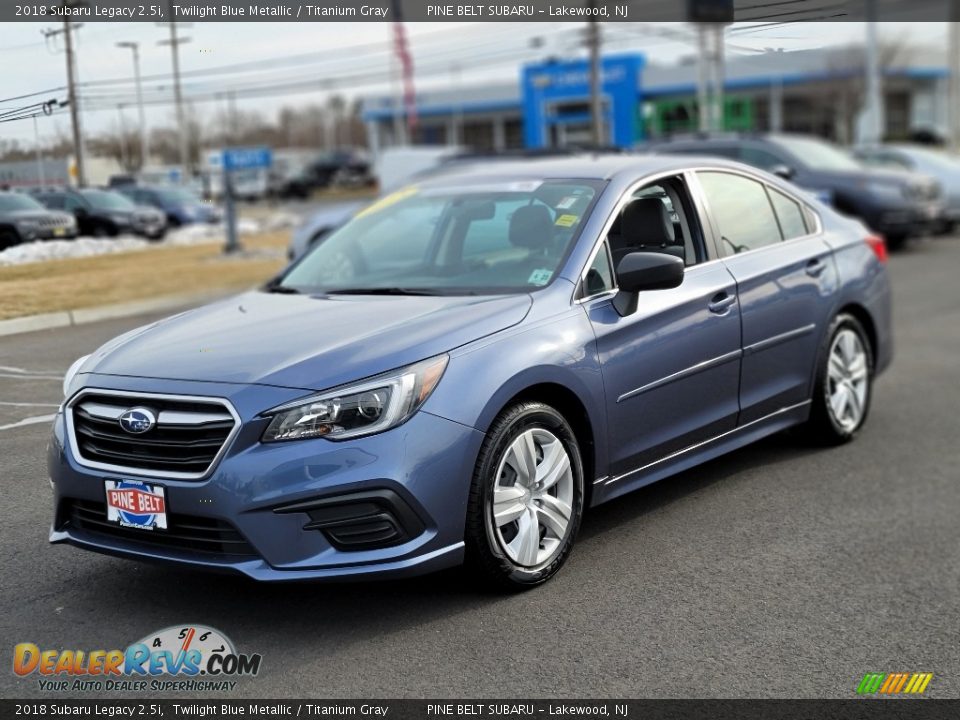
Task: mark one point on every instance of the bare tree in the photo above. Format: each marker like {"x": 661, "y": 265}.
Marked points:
{"x": 848, "y": 86}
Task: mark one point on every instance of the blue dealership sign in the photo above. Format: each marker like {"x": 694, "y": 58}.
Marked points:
{"x": 556, "y": 99}
{"x": 248, "y": 158}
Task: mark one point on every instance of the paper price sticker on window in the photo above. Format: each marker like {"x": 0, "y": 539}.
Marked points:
{"x": 566, "y": 221}
{"x": 540, "y": 276}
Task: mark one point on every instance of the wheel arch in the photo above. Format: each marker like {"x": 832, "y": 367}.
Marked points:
{"x": 864, "y": 317}
{"x": 568, "y": 403}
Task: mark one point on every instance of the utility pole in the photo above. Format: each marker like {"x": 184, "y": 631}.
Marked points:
{"x": 873, "y": 132}
{"x": 124, "y": 155}
{"x": 144, "y": 152}
{"x": 718, "y": 77}
{"x": 175, "y": 42}
{"x": 38, "y": 153}
{"x": 703, "y": 79}
{"x": 72, "y": 100}
{"x": 596, "y": 82}
{"x": 953, "y": 63}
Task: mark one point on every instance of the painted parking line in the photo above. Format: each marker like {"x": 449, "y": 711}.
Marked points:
{"x": 36, "y": 419}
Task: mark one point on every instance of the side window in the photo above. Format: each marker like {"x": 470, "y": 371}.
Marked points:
{"x": 599, "y": 278}
{"x": 657, "y": 218}
{"x": 762, "y": 159}
{"x": 741, "y": 210}
{"x": 790, "y": 215}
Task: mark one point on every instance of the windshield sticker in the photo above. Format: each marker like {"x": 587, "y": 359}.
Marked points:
{"x": 387, "y": 201}
{"x": 540, "y": 276}
{"x": 566, "y": 220}
{"x": 567, "y": 202}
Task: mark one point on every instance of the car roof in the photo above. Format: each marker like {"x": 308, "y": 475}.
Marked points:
{"x": 580, "y": 167}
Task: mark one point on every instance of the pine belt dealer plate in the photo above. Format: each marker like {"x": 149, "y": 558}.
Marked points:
{"x": 136, "y": 504}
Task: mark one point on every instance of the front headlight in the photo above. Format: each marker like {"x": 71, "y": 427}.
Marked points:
{"x": 364, "y": 408}
{"x": 72, "y": 373}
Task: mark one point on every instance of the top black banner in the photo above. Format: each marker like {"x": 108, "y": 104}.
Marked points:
{"x": 718, "y": 11}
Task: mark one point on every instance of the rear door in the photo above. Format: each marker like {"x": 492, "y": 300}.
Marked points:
{"x": 771, "y": 243}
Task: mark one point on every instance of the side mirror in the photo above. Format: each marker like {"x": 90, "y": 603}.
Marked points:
{"x": 645, "y": 271}
{"x": 783, "y": 171}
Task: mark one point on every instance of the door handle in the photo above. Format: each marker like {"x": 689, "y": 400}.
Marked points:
{"x": 721, "y": 302}
{"x": 816, "y": 267}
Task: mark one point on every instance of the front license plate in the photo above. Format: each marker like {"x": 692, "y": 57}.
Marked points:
{"x": 59, "y": 232}
{"x": 136, "y": 504}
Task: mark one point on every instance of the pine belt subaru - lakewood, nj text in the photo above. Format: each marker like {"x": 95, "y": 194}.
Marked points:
{"x": 459, "y": 371}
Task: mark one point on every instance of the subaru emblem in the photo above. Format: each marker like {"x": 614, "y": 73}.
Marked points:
{"x": 137, "y": 420}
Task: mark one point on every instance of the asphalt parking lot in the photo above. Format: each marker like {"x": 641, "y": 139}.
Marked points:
{"x": 777, "y": 571}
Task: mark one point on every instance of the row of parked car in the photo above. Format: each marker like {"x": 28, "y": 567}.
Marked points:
{"x": 899, "y": 191}
{"x": 63, "y": 213}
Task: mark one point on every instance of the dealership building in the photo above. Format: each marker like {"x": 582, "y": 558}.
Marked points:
{"x": 810, "y": 91}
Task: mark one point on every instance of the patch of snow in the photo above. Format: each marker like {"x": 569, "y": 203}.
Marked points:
{"x": 196, "y": 234}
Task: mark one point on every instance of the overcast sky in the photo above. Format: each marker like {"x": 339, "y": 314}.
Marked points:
{"x": 457, "y": 53}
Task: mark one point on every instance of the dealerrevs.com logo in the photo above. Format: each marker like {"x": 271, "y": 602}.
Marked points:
{"x": 177, "y": 658}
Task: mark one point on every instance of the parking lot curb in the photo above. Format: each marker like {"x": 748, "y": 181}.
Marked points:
{"x": 49, "y": 321}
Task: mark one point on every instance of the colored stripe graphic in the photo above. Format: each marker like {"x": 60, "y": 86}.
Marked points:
{"x": 894, "y": 683}
{"x": 870, "y": 683}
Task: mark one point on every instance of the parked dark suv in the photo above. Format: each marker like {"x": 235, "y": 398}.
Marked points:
{"x": 23, "y": 219}
{"x": 897, "y": 205}
{"x": 104, "y": 213}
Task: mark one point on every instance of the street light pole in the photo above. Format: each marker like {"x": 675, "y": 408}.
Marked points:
{"x": 135, "y": 47}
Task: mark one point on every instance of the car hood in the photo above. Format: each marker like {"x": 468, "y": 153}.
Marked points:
{"x": 302, "y": 341}
{"x": 20, "y": 215}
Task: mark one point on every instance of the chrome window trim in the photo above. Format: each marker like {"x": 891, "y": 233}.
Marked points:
{"x": 124, "y": 470}
{"x": 583, "y": 276}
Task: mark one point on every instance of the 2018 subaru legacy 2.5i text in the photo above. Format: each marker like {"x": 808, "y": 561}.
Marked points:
{"x": 465, "y": 366}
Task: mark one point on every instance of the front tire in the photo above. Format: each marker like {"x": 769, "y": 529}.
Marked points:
{"x": 844, "y": 385}
{"x": 526, "y": 498}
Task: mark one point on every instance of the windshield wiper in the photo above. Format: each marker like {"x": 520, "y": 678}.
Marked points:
{"x": 381, "y": 291}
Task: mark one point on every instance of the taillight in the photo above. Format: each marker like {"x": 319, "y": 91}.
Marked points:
{"x": 879, "y": 247}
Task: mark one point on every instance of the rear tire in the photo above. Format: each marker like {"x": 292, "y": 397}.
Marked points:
{"x": 844, "y": 383}
{"x": 526, "y": 498}
{"x": 896, "y": 242}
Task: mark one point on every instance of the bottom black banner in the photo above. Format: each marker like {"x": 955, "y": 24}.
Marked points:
{"x": 867, "y": 709}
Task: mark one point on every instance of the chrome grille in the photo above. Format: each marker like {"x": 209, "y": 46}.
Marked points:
{"x": 188, "y": 438}
{"x": 923, "y": 190}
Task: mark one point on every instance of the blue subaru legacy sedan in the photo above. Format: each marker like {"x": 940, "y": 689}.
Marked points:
{"x": 461, "y": 370}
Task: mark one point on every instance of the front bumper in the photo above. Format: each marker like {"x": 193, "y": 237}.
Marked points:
{"x": 422, "y": 467}
{"x": 906, "y": 220}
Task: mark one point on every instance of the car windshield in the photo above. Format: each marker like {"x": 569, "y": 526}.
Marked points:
{"x": 475, "y": 239}
{"x": 12, "y": 201}
{"x": 176, "y": 195}
{"x": 103, "y": 200}
{"x": 818, "y": 154}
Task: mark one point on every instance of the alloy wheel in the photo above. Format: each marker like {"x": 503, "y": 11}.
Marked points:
{"x": 533, "y": 498}
{"x": 847, "y": 379}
